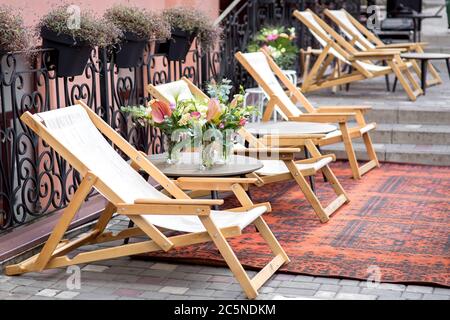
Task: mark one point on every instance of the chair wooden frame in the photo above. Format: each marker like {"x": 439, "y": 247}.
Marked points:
{"x": 316, "y": 79}
{"x": 325, "y": 114}
{"x": 54, "y": 252}
{"x": 259, "y": 149}
{"x": 379, "y": 44}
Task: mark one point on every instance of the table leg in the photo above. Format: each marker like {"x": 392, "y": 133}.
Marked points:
{"x": 394, "y": 86}
{"x": 311, "y": 178}
{"x": 448, "y": 66}
{"x": 424, "y": 65}
{"x": 130, "y": 225}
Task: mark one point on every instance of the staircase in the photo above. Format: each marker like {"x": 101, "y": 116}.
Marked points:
{"x": 407, "y": 132}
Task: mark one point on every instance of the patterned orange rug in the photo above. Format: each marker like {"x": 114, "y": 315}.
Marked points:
{"x": 397, "y": 227}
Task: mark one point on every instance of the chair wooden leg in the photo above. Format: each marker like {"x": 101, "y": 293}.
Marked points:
{"x": 370, "y": 149}
{"x": 411, "y": 92}
{"x": 307, "y": 191}
{"x": 230, "y": 258}
{"x": 350, "y": 151}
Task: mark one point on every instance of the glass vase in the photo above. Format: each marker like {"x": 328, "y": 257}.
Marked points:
{"x": 208, "y": 154}
{"x": 173, "y": 150}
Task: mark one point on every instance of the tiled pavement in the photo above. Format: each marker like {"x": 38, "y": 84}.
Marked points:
{"x": 126, "y": 278}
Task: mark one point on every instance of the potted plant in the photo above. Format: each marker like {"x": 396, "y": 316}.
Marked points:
{"x": 279, "y": 42}
{"x": 186, "y": 24}
{"x": 74, "y": 42}
{"x": 14, "y": 36}
{"x": 138, "y": 26}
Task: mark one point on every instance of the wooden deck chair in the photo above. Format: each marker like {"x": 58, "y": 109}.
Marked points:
{"x": 366, "y": 40}
{"x": 279, "y": 163}
{"x": 76, "y": 133}
{"x": 335, "y": 47}
{"x": 266, "y": 73}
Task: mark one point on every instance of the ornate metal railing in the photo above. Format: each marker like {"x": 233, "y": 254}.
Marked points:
{"x": 248, "y": 17}
{"x": 34, "y": 180}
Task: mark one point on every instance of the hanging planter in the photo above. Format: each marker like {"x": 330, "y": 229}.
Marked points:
{"x": 177, "y": 47}
{"x": 130, "y": 51}
{"x": 138, "y": 26}
{"x": 187, "y": 24}
{"x": 70, "y": 56}
{"x": 73, "y": 44}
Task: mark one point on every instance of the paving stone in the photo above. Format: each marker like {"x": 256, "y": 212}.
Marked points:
{"x": 125, "y": 270}
{"x": 412, "y": 295}
{"x": 200, "y": 292}
{"x": 347, "y": 282}
{"x": 419, "y": 289}
{"x": 326, "y": 280}
{"x": 176, "y": 297}
{"x": 303, "y": 278}
{"x": 266, "y": 289}
{"x": 7, "y": 286}
{"x": 350, "y": 289}
{"x": 223, "y": 279}
{"x": 91, "y": 296}
{"x": 355, "y": 296}
{"x": 381, "y": 292}
{"x": 177, "y": 283}
{"x": 300, "y": 285}
{"x": 295, "y": 292}
{"x": 127, "y": 292}
{"x": 330, "y": 287}
{"x": 174, "y": 290}
{"x": 18, "y": 296}
{"x": 283, "y": 277}
{"x": 95, "y": 268}
{"x": 189, "y": 276}
{"x": 21, "y": 281}
{"x": 428, "y": 296}
{"x": 226, "y": 294}
{"x": 218, "y": 286}
{"x": 391, "y": 286}
{"x": 126, "y": 278}
{"x": 67, "y": 295}
{"x": 25, "y": 290}
{"x": 443, "y": 291}
{"x": 47, "y": 293}
{"x": 164, "y": 266}
{"x": 216, "y": 271}
{"x": 151, "y": 295}
{"x": 325, "y": 294}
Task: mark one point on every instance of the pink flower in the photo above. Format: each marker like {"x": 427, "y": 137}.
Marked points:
{"x": 213, "y": 109}
{"x": 160, "y": 110}
{"x": 172, "y": 106}
{"x": 272, "y": 37}
{"x": 195, "y": 114}
{"x": 221, "y": 125}
{"x": 242, "y": 122}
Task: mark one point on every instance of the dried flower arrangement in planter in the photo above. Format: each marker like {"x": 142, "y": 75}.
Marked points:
{"x": 138, "y": 26}
{"x": 74, "y": 45}
{"x": 186, "y": 24}
{"x": 14, "y": 36}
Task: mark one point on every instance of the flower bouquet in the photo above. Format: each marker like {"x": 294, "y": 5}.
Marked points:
{"x": 279, "y": 42}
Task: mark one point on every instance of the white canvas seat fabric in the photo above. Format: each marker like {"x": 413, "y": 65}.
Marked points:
{"x": 72, "y": 127}
{"x": 362, "y": 42}
{"x": 176, "y": 90}
{"x": 274, "y": 167}
{"x": 368, "y": 66}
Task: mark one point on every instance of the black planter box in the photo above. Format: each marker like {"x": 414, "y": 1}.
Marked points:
{"x": 71, "y": 55}
{"x": 177, "y": 47}
{"x": 130, "y": 51}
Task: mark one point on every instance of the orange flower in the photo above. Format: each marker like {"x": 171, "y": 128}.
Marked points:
{"x": 160, "y": 110}
{"x": 213, "y": 109}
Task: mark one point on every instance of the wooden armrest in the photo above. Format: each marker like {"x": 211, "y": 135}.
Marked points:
{"x": 327, "y": 109}
{"x": 204, "y": 202}
{"x": 269, "y": 150}
{"x": 295, "y": 136}
{"x": 324, "y": 117}
{"x": 403, "y": 45}
{"x": 218, "y": 184}
{"x": 380, "y": 55}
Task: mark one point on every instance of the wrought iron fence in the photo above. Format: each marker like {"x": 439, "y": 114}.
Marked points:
{"x": 34, "y": 180}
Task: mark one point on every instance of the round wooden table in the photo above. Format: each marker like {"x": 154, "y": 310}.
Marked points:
{"x": 289, "y": 127}
{"x": 424, "y": 58}
{"x": 189, "y": 166}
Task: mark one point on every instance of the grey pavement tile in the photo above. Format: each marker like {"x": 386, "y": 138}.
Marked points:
{"x": 91, "y": 296}
{"x": 330, "y": 287}
{"x": 355, "y": 296}
{"x": 419, "y": 289}
{"x": 326, "y": 280}
{"x": 325, "y": 294}
{"x": 300, "y": 285}
{"x": 412, "y": 295}
{"x": 295, "y": 292}
{"x": 200, "y": 292}
{"x": 443, "y": 291}
{"x": 174, "y": 290}
{"x": 350, "y": 289}
{"x": 428, "y": 296}
{"x": 381, "y": 292}
{"x": 151, "y": 295}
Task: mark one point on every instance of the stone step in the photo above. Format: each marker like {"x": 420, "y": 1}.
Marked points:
{"x": 410, "y": 115}
{"x": 404, "y": 153}
{"x": 411, "y": 134}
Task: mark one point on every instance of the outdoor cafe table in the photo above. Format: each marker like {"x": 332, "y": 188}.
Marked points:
{"x": 189, "y": 166}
